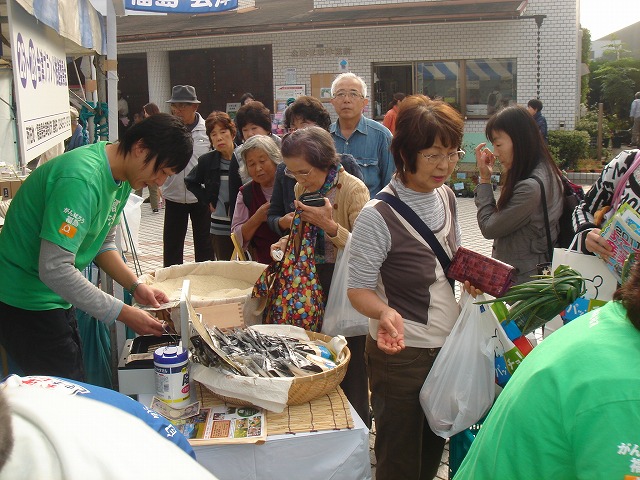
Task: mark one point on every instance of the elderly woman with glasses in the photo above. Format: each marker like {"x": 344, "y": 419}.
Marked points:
{"x": 261, "y": 156}
{"x": 396, "y": 280}
{"x": 310, "y": 157}
{"x": 304, "y": 112}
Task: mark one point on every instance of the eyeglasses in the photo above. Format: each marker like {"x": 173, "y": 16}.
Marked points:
{"x": 297, "y": 175}
{"x": 352, "y": 94}
{"x": 449, "y": 157}
{"x": 181, "y": 106}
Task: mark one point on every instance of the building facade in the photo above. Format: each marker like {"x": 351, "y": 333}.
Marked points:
{"x": 532, "y": 50}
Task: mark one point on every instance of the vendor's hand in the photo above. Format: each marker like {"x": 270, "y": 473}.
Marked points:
{"x": 390, "y": 332}
{"x": 285, "y": 222}
{"x": 280, "y": 245}
{"x": 471, "y": 290}
{"x": 485, "y": 160}
{"x": 598, "y": 245}
{"x": 147, "y": 295}
{"x": 321, "y": 217}
{"x": 140, "y": 321}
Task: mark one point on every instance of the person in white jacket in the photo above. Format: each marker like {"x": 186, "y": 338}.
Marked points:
{"x": 180, "y": 203}
{"x": 45, "y": 434}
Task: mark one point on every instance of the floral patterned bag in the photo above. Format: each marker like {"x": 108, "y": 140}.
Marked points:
{"x": 291, "y": 288}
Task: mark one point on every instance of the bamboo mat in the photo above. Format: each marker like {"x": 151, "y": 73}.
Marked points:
{"x": 329, "y": 412}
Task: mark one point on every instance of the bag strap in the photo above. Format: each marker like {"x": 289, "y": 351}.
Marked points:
{"x": 416, "y": 222}
{"x": 545, "y": 212}
{"x": 622, "y": 182}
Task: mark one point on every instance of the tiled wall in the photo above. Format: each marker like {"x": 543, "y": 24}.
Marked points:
{"x": 559, "y": 57}
{"x": 353, "y": 3}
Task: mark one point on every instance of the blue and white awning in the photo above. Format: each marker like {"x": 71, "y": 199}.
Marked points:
{"x": 489, "y": 69}
{"x": 438, "y": 70}
{"x": 82, "y": 27}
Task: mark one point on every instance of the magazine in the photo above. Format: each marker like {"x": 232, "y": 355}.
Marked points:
{"x": 222, "y": 424}
{"x": 622, "y": 232}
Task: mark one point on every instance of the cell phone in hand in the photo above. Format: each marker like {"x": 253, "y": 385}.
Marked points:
{"x": 313, "y": 199}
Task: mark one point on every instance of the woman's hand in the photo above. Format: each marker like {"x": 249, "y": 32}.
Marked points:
{"x": 485, "y": 160}
{"x": 321, "y": 217}
{"x": 471, "y": 290}
{"x": 390, "y": 332}
{"x": 277, "y": 249}
{"x": 285, "y": 222}
{"x": 598, "y": 245}
{"x": 261, "y": 213}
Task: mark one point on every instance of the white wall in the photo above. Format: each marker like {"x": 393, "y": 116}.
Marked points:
{"x": 8, "y": 145}
{"x": 559, "y": 86}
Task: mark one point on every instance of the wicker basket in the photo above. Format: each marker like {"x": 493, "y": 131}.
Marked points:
{"x": 305, "y": 389}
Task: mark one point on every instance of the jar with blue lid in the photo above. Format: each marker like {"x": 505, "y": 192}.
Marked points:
{"x": 171, "y": 364}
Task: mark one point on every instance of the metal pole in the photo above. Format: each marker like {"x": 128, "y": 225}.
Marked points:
{"x": 599, "y": 145}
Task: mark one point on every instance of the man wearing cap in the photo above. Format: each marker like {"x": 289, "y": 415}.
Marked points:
{"x": 180, "y": 203}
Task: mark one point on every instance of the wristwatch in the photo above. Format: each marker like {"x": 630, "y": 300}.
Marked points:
{"x": 133, "y": 287}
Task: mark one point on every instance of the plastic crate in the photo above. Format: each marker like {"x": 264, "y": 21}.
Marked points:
{"x": 460, "y": 444}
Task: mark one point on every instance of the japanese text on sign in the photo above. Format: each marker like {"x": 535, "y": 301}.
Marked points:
{"x": 36, "y": 66}
{"x": 182, "y": 6}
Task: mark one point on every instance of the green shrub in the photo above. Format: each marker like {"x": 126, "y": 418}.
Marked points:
{"x": 568, "y": 146}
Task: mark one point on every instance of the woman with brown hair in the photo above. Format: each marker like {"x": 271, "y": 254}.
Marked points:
{"x": 209, "y": 181}
{"x": 396, "y": 280}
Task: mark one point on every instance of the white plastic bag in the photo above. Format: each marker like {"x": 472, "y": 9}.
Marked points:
{"x": 340, "y": 318}
{"x": 460, "y": 387}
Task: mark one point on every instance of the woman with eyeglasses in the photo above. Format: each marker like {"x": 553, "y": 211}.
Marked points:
{"x": 516, "y": 221}
{"x": 310, "y": 157}
{"x": 396, "y": 280}
{"x": 304, "y": 112}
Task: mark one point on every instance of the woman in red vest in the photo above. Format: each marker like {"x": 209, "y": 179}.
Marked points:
{"x": 261, "y": 157}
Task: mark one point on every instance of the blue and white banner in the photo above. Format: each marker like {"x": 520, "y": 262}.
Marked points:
{"x": 181, "y": 6}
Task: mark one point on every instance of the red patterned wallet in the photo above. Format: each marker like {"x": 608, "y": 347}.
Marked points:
{"x": 487, "y": 274}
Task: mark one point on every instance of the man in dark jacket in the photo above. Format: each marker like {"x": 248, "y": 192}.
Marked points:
{"x": 535, "y": 107}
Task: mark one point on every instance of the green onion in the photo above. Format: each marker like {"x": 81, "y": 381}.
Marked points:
{"x": 536, "y": 302}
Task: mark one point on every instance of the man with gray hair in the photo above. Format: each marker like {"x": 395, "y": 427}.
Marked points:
{"x": 635, "y": 115}
{"x": 367, "y": 140}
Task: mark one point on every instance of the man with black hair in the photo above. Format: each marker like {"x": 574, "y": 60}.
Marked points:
{"x": 65, "y": 216}
{"x": 535, "y": 108}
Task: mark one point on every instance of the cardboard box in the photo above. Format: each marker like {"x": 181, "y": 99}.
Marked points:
{"x": 5, "y": 189}
{"x": 9, "y": 187}
{"x": 222, "y": 315}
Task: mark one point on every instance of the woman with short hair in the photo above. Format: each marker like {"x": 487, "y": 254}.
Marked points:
{"x": 311, "y": 158}
{"x": 260, "y": 156}
{"x": 396, "y": 280}
{"x": 209, "y": 181}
